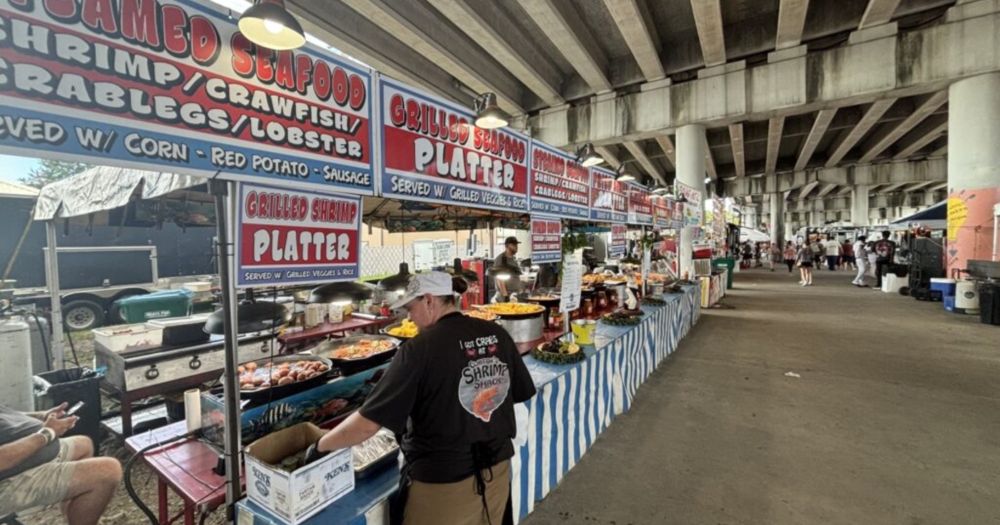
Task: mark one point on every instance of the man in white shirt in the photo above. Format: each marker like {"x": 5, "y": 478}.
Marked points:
{"x": 832, "y": 247}
{"x": 861, "y": 259}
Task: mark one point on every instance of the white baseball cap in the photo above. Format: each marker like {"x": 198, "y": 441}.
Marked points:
{"x": 434, "y": 283}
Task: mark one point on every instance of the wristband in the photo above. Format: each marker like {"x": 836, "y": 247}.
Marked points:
{"x": 48, "y": 434}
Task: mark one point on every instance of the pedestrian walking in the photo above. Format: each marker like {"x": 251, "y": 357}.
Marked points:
{"x": 832, "y": 249}
{"x": 816, "y": 248}
{"x": 847, "y": 255}
{"x": 790, "y": 254}
{"x": 774, "y": 254}
{"x": 805, "y": 260}
{"x": 861, "y": 256}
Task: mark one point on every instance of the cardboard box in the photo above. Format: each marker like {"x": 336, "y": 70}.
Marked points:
{"x": 295, "y": 496}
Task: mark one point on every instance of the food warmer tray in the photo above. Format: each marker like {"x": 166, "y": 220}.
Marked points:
{"x": 351, "y": 366}
{"x": 133, "y": 369}
{"x": 262, "y": 395}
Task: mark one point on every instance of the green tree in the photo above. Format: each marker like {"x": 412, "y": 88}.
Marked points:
{"x": 52, "y": 170}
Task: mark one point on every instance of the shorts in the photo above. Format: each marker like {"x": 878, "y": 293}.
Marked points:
{"x": 806, "y": 264}
{"x": 47, "y": 484}
{"x": 457, "y": 503}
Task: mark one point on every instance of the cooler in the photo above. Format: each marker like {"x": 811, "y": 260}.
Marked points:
{"x": 943, "y": 286}
{"x": 142, "y": 308}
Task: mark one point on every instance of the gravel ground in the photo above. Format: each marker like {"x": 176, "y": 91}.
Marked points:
{"x": 122, "y": 510}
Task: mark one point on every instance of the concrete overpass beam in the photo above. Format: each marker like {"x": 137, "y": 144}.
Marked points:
{"x": 736, "y": 142}
{"x": 639, "y": 32}
{"x": 774, "y": 130}
{"x": 647, "y": 165}
{"x": 708, "y": 21}
{"x": 415, "y": 25}
{"x": 878, "y": 144}
{"x": 485, "y": 23}
{"x": 916, "y": 140}
{"x": 791, "y": 20}
{"x": 868, "y": 120}
{"x": 860, "y": 205}
{"x": 609, "y": 156}
{"x": 563, "y": 26}
{"x": 667, "y": 146}
{"x": 822, "y": 122}
{"x": 878, "y": 12}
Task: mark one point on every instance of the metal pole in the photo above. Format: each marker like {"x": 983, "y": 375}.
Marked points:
{"x": 52, "y": 279}
{"x": 231, "y": 392}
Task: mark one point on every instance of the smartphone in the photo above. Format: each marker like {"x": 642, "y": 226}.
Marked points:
{"x": 73, "y": 409}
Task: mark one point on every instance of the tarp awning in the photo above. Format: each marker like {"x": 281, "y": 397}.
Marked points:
{"x": 934, "y": 217}
{"x": 752, "y": 235}
{"x": 105, "y": 188}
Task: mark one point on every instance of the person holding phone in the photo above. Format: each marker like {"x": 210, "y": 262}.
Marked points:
{"x": 39, "y": 466}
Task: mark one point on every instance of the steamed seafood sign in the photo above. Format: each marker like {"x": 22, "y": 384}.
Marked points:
{"x": 559, "y": 185}
{"x": 287, "y": 236}
{"x": 546, "y": 239}
{"x": 608, "y": 201}
{"x": 663, "y": 212}
{"x": 173, "y": 85}
{"x": 434, "y": 153}
{"x": 640, "y": 205}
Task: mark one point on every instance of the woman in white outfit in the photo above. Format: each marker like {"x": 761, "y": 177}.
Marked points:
{"x": 861, "y": 260}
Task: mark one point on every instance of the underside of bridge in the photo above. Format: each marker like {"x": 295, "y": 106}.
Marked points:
{"x": 814, "y": 104}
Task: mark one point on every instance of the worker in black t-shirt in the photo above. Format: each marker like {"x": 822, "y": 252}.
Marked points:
{"x": 450, "y": 392}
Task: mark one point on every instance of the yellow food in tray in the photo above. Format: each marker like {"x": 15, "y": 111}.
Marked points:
{"x": 406, "y": 329}
{"x": 514, "y": 308}
{"x": 481, "y": 314}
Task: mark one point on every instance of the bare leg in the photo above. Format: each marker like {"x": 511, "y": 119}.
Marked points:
{"x": 94, "y": 483}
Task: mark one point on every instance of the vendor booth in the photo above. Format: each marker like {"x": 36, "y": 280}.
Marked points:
{"x": 290, "y": 156}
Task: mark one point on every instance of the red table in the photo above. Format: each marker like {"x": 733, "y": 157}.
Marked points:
{"x": 295, "y": 340}
{"x": 184, "y": 466}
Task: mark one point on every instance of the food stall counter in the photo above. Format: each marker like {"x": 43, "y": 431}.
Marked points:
{"x": 574, "y": 404}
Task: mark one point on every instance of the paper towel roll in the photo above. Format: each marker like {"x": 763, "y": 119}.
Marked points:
{"x": 192, "y": 409}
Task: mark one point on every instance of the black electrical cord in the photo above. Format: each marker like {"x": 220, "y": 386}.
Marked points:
{"x": 45, "y": 344}
{"x": 72, "y": 347}
{"x": 132, "y": 494}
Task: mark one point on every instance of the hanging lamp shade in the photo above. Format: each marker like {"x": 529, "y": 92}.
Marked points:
{"x": 587, "y": 156}
{"x": 622, "y": 174}
{"x": 269, "y": 24}
{"x": 397, "y": 282}
{"x": 344, "y": 292}
{"x": 488, "y": 113}
{"x": 251, "y": 317}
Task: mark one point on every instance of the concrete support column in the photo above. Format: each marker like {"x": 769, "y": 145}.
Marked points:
{"x": 777, "y": 216}
{"x": 690, "y": 172}
{"x": 859, "y": 205}
{"x": 973, "y": 167}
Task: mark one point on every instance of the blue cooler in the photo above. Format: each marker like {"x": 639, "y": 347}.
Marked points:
{"x": 945, "y": 287}
{"x": 949, "y": 303}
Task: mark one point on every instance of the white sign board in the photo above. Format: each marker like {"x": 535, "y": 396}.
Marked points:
{"x": 572, "y": 280}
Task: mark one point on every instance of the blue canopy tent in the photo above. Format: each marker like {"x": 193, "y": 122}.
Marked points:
{"x": 934, "y": 217}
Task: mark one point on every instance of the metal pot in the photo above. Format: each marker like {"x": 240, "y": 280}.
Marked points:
{"x": 524, "y": 329}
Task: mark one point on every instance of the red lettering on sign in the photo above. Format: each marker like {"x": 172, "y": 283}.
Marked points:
{"x": 65, "y": 10}
{"x": 175, "y": 39}
{"x": 138, "y": 23}
{"x": 99, "y": 15}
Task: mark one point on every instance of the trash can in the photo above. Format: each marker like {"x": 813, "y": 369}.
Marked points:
{"x": 70, "y": 386}
{"x": 726, "y": 263}
{"x": 989, "y": 303}
{"x": 158, "y": 305}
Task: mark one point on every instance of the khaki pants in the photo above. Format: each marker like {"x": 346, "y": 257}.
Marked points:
{"x": 457, "y": 503}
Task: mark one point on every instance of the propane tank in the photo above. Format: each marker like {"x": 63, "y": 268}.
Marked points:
{"x": 15, "y": 375}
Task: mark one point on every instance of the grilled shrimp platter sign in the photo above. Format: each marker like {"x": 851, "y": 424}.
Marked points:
{"x": 289, "y": 236}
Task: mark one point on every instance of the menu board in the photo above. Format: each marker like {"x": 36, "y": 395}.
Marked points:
{"x": 640, "y": 205}
{"x": 663, "y": 212}
{"x": 572, "y": 280}
{"x": 693, "y": 207}
{"x": 546, "y": 239}
{"x": 174, "y": 86}
{"x": 560, "y": 186}
{"x": 608, "y": 201}
{"x": 433, "y": 153}
{"x": 286, "y": 236}
{"x": 618, "y": 243}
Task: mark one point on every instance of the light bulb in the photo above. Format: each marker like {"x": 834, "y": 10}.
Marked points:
{"x": 273, "y": 27}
